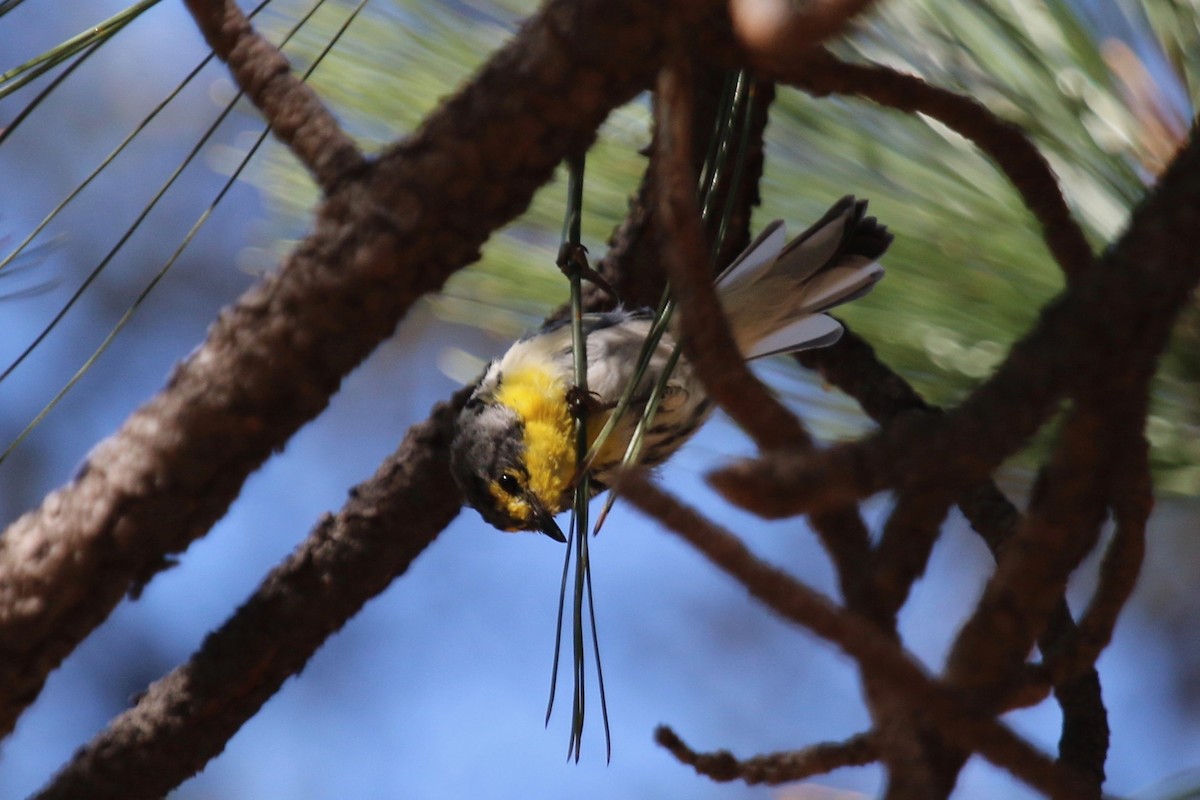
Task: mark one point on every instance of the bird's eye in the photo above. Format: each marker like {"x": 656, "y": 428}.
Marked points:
{"x": 509, "y": 483}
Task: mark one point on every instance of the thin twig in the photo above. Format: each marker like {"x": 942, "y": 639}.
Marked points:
{"x": 706, "y": 338}
{"x": 294, "y": 111}
{"x": 1121, "y": 311}
{"x": 877, "y": 654}
{"x": 773, "y": 769}
{"x": 852, "y": 366}
{"x": 1020, "y": 602}
{"x": 820, "y": 73}
{"x": 903, "y": 552}
{"x": 775, "y": 33}
{"x": 1031, "y": 573}
{"x": 187, "y": 717}
{"x": 1063, "y": 525}
{"x": 1071, "y": 651}
{"x": 1119, "y": 570}
{"x": 272, "y": 361}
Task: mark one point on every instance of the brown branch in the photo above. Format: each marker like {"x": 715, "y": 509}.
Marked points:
{"x": 179, "y": 724}
{"x": 1132, "y": 501}
{"x": 776, "y": 35}
{"x": 774, "y": 768}
{"x": 271, "y": 362}
{"x": 791, "y": 482}
{"x": 632, "y": 263}
{"x": 888, "y": 575}
{"x": 293, "y": 110}
{"x": 847, "y": 541}
{"x": 1032, "y": 570}
{"x": 877, "y": 654}
{"x": 1118, "y": 574}
{"x": 1031, "y": 688}
{"x": 877, "y": 582}
{"x": 1070, "y": 651}
{"x": 820, "y": 73}
{"x": 903, "y": 552}
{"x": 1018, "y": 606}
{"x": 852, "y": 366}
{"x": 1150, "y": 273}
{"x": 1114, "y": 314}
{"x": 187, "y": 717}
{"x": 705, "y": 334}
{"x": 1084, "y": 740}
{"x": 706, "y": 339}
{"x": 1127, "y": 306}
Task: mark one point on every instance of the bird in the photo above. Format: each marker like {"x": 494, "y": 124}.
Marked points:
{"x": 513, "y": 450}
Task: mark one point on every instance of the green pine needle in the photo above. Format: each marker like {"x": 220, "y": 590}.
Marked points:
{"x": 735, "y": 112}
{"x": 154, "y": 281}
{"x": 733, "y": 119}
{"x": 22, "y": 74}
{"x": 579, "y": 521}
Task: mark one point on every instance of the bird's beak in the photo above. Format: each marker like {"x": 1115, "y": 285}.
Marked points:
{"x": 548, "y": 526}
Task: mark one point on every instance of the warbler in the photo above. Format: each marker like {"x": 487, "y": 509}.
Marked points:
{"x": 513, "y": 454}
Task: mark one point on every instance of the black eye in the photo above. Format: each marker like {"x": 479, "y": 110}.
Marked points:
{"x": 509, "y": 483}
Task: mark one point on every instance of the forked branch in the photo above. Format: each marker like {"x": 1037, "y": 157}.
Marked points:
{"x": 383, "y": 238}
{"x": 877, "y": 654}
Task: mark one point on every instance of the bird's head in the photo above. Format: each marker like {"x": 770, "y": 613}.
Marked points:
{"x": 499, "y": 462}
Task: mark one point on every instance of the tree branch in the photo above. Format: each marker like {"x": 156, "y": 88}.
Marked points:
{"x": 706, "y": 339}
{"x": 271, "y": 362}
{"x": 878, "y": 655}
{"x": 296, "y": 115}
{"x": 1117, "y": 314}
{"x": 820, "y": 74}
{"x": 186, "y": 718}
{"x": 776, "y": 34}
{"x": 183, "y": 721}
{"x": 852, "y": 366}
{"x": 774, "y": 768}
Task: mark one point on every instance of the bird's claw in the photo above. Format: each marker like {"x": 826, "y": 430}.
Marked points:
{"x": 572, "y": 259}
{"x": 583, "y": 403}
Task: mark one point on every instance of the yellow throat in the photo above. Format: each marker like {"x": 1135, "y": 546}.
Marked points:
{"x": 540, "y": 401}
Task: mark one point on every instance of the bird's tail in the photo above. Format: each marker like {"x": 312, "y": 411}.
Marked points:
{"x": 776, "y": 292}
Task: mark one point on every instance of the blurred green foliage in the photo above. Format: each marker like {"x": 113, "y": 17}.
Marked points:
{"x": 1104, "y": 92}
{"x": 392, "y": 72}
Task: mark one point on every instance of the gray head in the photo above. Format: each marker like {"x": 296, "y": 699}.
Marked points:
{"x": 487, "y": 458}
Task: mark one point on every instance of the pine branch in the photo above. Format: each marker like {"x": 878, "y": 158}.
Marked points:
{"x": 383, "y": 238}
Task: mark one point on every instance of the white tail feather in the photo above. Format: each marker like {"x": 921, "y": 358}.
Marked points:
{"x": 836, "y": 285}
{"x": 814, "y": 330}
{"x": 774, "y": 294}
{"x": 761, "y": 253}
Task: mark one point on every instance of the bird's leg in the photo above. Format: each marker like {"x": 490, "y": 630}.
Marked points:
{"x": 582, "y": 404}
{"x": 574, "y": 257}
